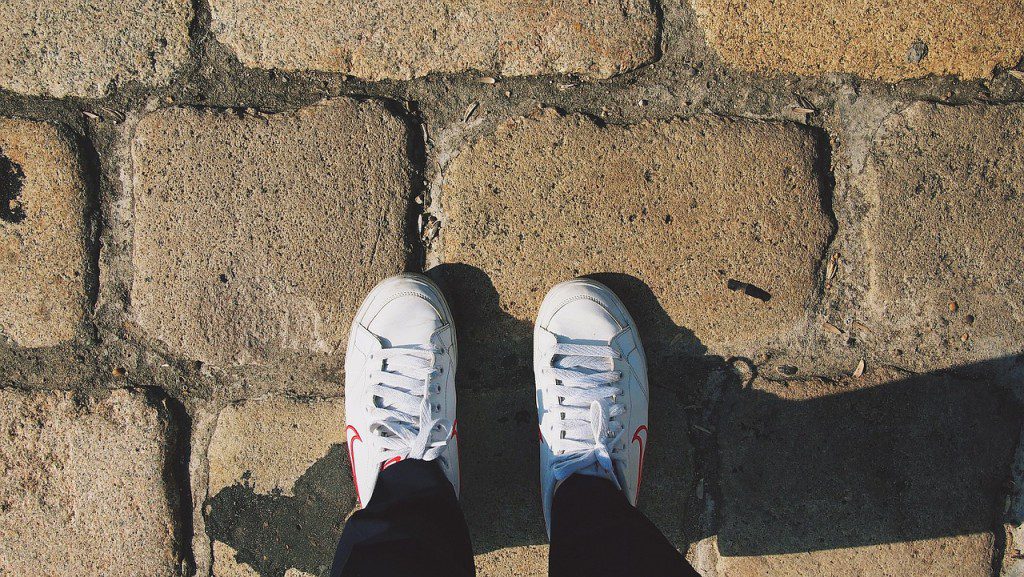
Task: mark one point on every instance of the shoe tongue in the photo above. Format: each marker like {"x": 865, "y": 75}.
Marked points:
{"x": 402, "y": 326}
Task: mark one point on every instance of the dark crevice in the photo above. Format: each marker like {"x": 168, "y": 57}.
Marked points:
{"x": 91, "y": 170}
{"x": 177, "y": 480}
{"x": 11, "y": 181}
{"x": 827, "y": 187}
{"x": 416, "y": 152}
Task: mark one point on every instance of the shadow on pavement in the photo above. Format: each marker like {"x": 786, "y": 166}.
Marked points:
{"x": 792, "y": 467}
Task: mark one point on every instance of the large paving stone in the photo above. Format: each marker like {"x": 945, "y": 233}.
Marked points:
{"x": 280, "y": 486}
{"x": 665, "y": 213}
{"x": 945, "y": 191}
{"x": 42, "y": 234}
{"x": 890, "y": 474}
{"x": 256, "y": 236}
{"x": 84, "y": 47}
{"x": 870, "y": 38}
{"x": 82, "y": 488}
{"x": 402, "y": 40}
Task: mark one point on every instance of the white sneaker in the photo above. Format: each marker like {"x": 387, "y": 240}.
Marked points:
{"x": 400, "y": 382}
{"x": 592, "y": 391}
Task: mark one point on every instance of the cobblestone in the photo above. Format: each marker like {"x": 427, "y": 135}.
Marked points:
{"x": 678, "y": 217}
{"x": 869, "y": 38}
{"x": 279, "y": 486}
{"x": 301, "y": 214}
{"x": 42, "y": 234}
{"x": 944, "y": 232}
{"x": 85, "y": 48}
{"x": 384, "y": 40}
{"x": 82, "y": 486}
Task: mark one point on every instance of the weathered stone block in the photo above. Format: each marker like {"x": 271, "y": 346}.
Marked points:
{"x": 84, "y": 47}
{"x": 945, "y": 191}
{"x": 280, "y": 486}
{"x": 256, "y": 236}
{"x": 671, "y": 215}
{"x": 871, "y": 38}
{"x": 82, "y": 488}
{"x": 42, "y": 234}
{"x": 402, "y": 40}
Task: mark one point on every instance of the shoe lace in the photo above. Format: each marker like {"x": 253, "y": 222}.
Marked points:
{"x": 591, "y": 434}
{"x": 402, "y": 415}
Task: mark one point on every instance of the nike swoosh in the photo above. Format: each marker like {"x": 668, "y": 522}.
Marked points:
{"x": 639, "y": 439}
{"x": 352, "y": 459}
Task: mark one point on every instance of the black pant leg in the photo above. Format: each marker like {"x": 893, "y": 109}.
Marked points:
{"x": 595, "y": 532}
{"x": 412, "y": 527}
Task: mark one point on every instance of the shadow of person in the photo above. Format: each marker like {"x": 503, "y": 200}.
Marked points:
{"x": 791, "y": 467}
{"x": 885, "y": 458}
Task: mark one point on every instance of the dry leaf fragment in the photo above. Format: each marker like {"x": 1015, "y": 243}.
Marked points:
{"x": 91, "y": 116}
{"x": 470, "y": 110}
{"x": 1018, "y": 74}
{"x": 831, "y": 328}
{"x": 802, "y": 110}
{"x": 859, "y": 326}
{"x": 860, "y": 369}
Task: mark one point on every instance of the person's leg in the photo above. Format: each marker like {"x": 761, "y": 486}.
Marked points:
{"x": 412, "y": 527}
{"x": 592, "y": 402}
{"x": 596, "y": 532}
{"x": 402, "y": 437}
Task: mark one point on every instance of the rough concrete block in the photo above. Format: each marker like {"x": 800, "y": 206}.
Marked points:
{"x": 42, "y": 234}
{"x": 870, "y": 38}
{"x": 280, "y": 486}
{"x": 677, "y": 217}
{"x": 402, "y": 40}
{"x": 82, "y": 488}
{"x": 83, "y": 48}
{"x": 944, "y": 188}
{"x": 256, "y": 236}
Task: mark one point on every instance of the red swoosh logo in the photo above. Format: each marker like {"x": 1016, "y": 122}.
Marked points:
{"x": 352, "y": 438}
{"x": 637, "y": 438}
{"x": 458, "y": 452}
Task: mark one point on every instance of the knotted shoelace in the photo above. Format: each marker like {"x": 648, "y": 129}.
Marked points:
{"x": 403, "y": 418}
{"x": 591, "y": 433}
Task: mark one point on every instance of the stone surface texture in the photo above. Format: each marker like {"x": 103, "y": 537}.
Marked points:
{"x": 881, "y": 39}
{"x": 270, "y": 443}
{"x": 945, "y": 229}
{"x": 394, "y": 40}
{"x": 42, "y": 234}
{"x": 301, "y": 214}
{"x": 84, "y": 48}
{"x": 681, "y": 207}
{"x": 798, "y": 202}
{"x": 887, "y": 474}
{"x": 279, "y": 486}
{"x": 82, "y": 487}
